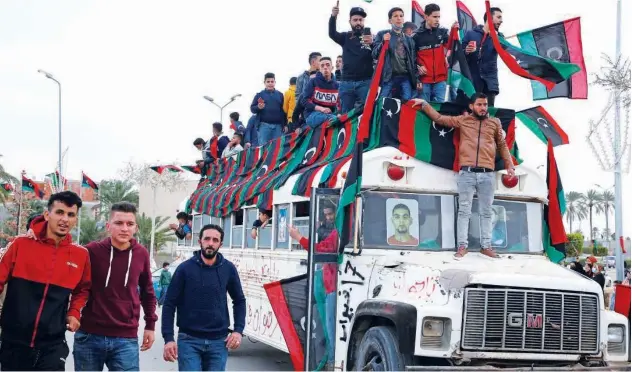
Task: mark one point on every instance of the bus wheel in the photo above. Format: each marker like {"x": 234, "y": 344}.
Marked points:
{"x": 379, "y": 351}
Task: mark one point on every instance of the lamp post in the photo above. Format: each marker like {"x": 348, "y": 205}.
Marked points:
{"x": 618, "y": 201}
{"x": 50, "y": 76}
{"x": 221, "y": 108}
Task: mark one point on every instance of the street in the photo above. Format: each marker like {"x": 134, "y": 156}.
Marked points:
{"x": 251, "y": 356}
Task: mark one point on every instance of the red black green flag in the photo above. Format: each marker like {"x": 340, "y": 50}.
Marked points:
{"x": 529, "y": 65}
{"x": 88, "y": 182}
{"x": 192, "y": 168}
{"x": 465, "y": 18}
{"x": 6, "y": 187}
{"x": 418, "y": 14}
{"x": 553, "y": 233}
{"x": 459, "y": 75}
{"x": 28, "y": 185}
{"x": 542, "y": 124}
{"x": 562, "y": 42}
{"x": 161, "y": 168}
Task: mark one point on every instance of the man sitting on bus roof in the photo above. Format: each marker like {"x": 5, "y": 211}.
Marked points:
{"x": 320, "y": 96}
{"x": 481, "y": 138}
{"x": 265, "y": 215}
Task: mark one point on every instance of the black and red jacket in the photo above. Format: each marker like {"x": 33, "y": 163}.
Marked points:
{"x": 430, "y": 48}
{"x": 47, "y": 282}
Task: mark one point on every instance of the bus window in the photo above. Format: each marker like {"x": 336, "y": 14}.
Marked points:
{"x": 265, "y": 237}
{"x": 301, "y": 209}
{"x": 238, "y": 228}
{"x": 326, "y": 217}
{"x": 516, "y": 227}
{"x": 206, "y": 219}
{"x": 404, "y": 221}
{"x": 282, "y": 221}
{"x": 226, "y": 227}
{"x": 301, "y": 220}
{"x": 196, "y": 227}
{"x": 216, "y": 221}
{"x": 252, "y": 214}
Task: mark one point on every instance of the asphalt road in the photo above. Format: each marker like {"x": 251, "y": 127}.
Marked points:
{"x": 251, "y": 356}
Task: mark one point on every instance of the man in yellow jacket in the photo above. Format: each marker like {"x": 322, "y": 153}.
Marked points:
{"x": 289, "y": 102}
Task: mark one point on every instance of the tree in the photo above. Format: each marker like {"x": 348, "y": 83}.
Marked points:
{"x": 5, "y": 178}
{"x": 574, "y": 245}
{"x": 607, "y": 204}
{"x": 615, "y": 77}
{"x": 114, "y": 191}
{"x": 575, "y": 208}
{"x": 163, "y": 233}
{"x": 90, "y": 230}
{"x": 593, "y": 203}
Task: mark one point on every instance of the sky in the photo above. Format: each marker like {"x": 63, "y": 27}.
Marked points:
{"x": 133, "y": 75}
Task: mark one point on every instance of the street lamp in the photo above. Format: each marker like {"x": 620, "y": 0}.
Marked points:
{"x": 50, "y": 76}
{"x": 221, "y": 108}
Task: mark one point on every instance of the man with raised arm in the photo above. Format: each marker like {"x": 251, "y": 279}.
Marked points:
{"x": 481, "y": 138}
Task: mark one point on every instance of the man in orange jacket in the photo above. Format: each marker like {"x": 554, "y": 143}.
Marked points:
{"x": 49, "y": 285}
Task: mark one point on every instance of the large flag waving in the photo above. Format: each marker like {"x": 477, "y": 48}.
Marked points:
{"x": 561, "y": 41}
{"x": 542, "y": 124}
{"x": 459, "y": 76}
{"x": 465, "y": 18}
{"x": 529, "y": 65}
{"x": 88, "y": 182}
{"x": 553, "y": 234}
{"x": 28, "y": 185}
{"x": 417, "y": 12}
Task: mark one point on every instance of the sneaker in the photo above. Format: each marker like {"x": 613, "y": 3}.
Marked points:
{"x": 489, "y": 252}
{"x": 461, "y": 252}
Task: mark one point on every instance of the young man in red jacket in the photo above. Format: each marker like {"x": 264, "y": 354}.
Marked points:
{"x": 49, "y": 285}
{"x": 109, "y": 323}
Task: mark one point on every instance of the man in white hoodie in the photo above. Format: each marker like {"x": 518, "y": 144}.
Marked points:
{"x": 234, "y": 146}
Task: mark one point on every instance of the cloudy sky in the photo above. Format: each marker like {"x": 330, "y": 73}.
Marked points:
{"x": 134, "y": 72}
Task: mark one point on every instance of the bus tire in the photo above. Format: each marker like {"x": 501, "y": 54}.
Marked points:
{"x": 379, "y": 351}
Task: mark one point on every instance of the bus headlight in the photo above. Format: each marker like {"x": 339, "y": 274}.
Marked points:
{"x": 615, "y": 334}
{"x": 435, "y": 333}
{"x": 432, "y": 327}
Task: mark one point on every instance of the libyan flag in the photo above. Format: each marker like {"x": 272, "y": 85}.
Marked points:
{"x": 465, "y": 18}
{"x": 170, "y": 168}
{"x": 28, "y": 185}
{"x": 542, "y": 124}
{"x": 561, "y": 42}
{"x": 417, "y": 12}
{"x": 529, "y": 65}
{"x": 415, "y": 134}
{"x": 88, "y": 182}
{"x": 459, "y": 76}
{"x": 553, "y": 233}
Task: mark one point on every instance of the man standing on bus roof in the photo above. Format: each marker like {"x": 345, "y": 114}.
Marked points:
{"x": 198, "y": 293}
{"x": 481, "y": 138}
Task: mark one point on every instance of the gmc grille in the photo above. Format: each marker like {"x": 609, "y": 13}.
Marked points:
{"x": 505, "y": 319}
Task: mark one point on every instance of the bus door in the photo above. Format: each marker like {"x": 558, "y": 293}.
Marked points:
{"x": 322, "y": 276}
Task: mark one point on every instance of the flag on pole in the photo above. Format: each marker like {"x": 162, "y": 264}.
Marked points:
{"x": 561, "y": 41}
{"x": 542, "y": 124}
{"x": 6, "y": 187}
{"x": 418, "y": 15}
{"x": 465, "y": 18}
{"x": 28, "y": 185}
{"x": 88, "y": 182}
{"x": 553, "y": 233}
{"x": 459, "y": 76}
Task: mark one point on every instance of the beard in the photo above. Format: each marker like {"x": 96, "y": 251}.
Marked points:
{"x": 357, "y": 29}
{"x": 479, "y": 117}
{"x": 209, "y": 255}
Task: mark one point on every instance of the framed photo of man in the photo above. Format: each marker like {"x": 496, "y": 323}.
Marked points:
{"x": 402, "y": 224}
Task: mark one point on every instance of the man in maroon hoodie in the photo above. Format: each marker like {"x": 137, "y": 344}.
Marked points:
{"x": 109, "y": 323}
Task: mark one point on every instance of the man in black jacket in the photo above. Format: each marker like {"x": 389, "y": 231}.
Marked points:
{"x": 357, "y": 61}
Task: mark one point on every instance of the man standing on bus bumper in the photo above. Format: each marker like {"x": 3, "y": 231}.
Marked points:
{"x": 481, "y": 138}
{"x": 198, "y": 292}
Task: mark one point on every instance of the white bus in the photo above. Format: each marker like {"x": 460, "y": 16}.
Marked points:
{"x": 405, "y": 305}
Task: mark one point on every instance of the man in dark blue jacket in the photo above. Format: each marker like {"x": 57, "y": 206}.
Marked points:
{"x": 482, "y": 57}
{"x": 251, "y": 138}
{"x": 268, "y": 104}
{"x": 221, "y": 141}
{"x": 357, "y": 59}
{"x": 198, "y": 293}
{"x": 320, "y": 97}
{"x": 400, "y": 70}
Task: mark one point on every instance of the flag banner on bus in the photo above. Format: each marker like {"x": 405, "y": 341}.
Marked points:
{"x": 465, "y": 18}
{"x": 553, "y": 232}
{"x": 28, "y": 185}
{"x": 459, "y": 76}
{"x": 561, "y": 41}
{"x": 327, "y": 179}
{"x": 415, "y": 134}
{"x": 418, "y": 15}
{"x": 6, "y": 187}
{"x": 160, "y": 169}
{"x": 542, "y": 124}
{"x": 529, "y": 65}
{"x": 192, "y": 168}
{"x": 88, "y": 182}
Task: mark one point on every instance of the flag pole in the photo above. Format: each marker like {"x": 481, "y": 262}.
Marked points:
{"x": 79, "y": 222}
{"x": 17, "y": 232}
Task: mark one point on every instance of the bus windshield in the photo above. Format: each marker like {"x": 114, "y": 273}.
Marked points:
{"x": 397, "y": 220}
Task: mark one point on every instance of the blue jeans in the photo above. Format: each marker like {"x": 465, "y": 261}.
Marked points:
{"x": 434, "y": 92}
{"x": 330, "y": 315}
{"x": 353, "y": 94}
{"x": 198, "y": 354}
{"x": 467, "y": 184}
{"x": 317, "y": 118}
{"x": 403, "y": 83}
{"x": 268, "y": 132}
{"x": 91, "y": 352}
{"x": 163, "y": 295}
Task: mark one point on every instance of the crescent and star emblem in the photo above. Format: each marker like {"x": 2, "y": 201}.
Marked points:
{"x": 442, "y": 131}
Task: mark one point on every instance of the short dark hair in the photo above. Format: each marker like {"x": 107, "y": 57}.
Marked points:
{"x": 431, "y": 8}
{"x": 182, "y": 216}
{"x": 124, "y": 207}
{"x": 217, "y": 126}
{"x": 401, "y": 206}
{"x": 237, "y": 134}
{"x": 198, "y": 141}
{"x": 492, "y": 10}
{"x": 213, "y": 227}
{"x": 325, "y": 59}
{"x": 313, "y": 55}
{"x": 269, "y": 75}
{"x": 393, "y": 10}
{"x": 476, "y": 96}
{"x": 339, "y": 57}
{"x": 69, "y": 198}
{"x": 165, "y": 264}
{"x": 293, "y": 80}
{"x": 234, "y": 116}
{"x": 30, "y": 220}
{"x": 267, "y": 212}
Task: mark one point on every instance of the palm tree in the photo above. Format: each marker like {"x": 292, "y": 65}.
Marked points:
{"x": 607, "y": 203}
{"x": 163, "y": 233}
{"x": 114, "y": 191}
{"x": 575, "y": 208}
{"x": 5, "y": 178}
{"x": 90, "y": 230}
{"x": 593, "y": 203}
